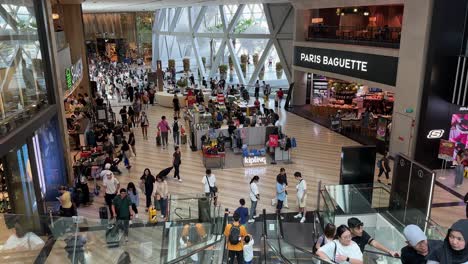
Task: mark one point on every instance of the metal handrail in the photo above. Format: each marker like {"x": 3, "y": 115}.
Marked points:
{"x": 380, "y": 253}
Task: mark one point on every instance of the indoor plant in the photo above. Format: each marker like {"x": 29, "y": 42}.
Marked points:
{"x": 244, "y": 68}
{"x": 171, "y": 63}
{"x": 186, "y": 64}
{"x": 222, "y": 71}
{"x": 279, "y": 70}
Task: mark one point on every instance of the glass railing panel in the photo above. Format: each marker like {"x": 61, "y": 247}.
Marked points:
{"x": 375, "y": 257}
{"x": 188, "y": 206}
{"x": 327, "y": 208}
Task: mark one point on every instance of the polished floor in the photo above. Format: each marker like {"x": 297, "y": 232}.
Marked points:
{"x": 317, "y": 157}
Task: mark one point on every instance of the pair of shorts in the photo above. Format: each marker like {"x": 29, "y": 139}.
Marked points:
{"x": 279, "y": 204}
{"x": 303, "y": 204}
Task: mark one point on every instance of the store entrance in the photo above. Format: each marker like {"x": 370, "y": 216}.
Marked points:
{"x": 357, "y": 111}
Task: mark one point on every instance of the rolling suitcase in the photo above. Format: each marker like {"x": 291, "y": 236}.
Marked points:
{"x": 103, "y": 213}
{"x": 183, "y": 139}
{"x": 158, "y": 140}
{"x": 113, "y": 236}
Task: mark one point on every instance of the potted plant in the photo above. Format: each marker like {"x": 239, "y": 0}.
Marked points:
{"x": 182, "y": 83}
{"x": 171, "y": 64}
{"x": 186, "y": 64}
{"x": 222, "y": 71}
{"x": 255, "y": 59}
{"x": 261, "y": 74}
{"x": 244, "y": 58}
{"x": 203, "y": 59}
{"x": 231, "y": 64}
{"x": 279, "y": 70}
{"x": 244, "y": 68}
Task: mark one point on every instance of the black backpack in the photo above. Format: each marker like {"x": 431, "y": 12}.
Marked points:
{"x": 175, "y": 127}
{"x": 234, "y": 235}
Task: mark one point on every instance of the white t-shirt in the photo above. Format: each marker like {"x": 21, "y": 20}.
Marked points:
{"x": 27, "y": 242}
{"x": 211, "y": 180}
{"x": 301, "y": 188}
{"x": 111, "y": 185}
{"x": 248, "y": 250}
{"x": 351, "y": 251}
{"x": 253, "y": 191}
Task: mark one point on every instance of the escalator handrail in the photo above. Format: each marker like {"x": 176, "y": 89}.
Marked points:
{"x": 278, "y": 254}
{"x": 219, "y": 240}
{"x": 380, "y": 253}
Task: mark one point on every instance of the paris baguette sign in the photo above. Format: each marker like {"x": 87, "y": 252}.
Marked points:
{"x": 371, "y": 67}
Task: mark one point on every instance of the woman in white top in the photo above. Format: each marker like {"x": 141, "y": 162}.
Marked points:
{"x": 254, "y": 196}
{"x": 209, "y": 183}
{"x": 342, "y": 249}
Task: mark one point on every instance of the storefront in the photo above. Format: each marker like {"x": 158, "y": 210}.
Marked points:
{"x": 348, "y": 92}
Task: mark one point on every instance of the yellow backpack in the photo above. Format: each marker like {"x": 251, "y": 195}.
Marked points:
{"x": 152, "y": 215}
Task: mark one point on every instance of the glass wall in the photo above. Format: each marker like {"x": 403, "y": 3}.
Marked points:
{"x": 23, "y": 91}
{"x": 250, "y": 37}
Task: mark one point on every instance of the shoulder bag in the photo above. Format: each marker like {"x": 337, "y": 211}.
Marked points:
{"x": 213, "y": 189}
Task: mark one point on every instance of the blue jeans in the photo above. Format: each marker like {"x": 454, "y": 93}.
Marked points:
{"x": 459, "y": 170}
{"x": 163, "y": 203}
{"x": 253, "y": 208}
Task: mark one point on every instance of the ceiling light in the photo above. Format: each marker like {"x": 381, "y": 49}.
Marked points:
{"x": 55, "y": 16}
{"x": 342, "y": 14}
{"x": 355, "y": 10}
{"x": 366, "y": 13}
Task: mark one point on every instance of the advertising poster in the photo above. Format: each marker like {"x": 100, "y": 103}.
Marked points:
{"x": 446, "y": 149}
{"x": 459, "y": 132}
{"x": 381, "y": 128}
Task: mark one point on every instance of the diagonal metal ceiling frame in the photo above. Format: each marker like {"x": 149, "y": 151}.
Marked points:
{"x": 172, "y": 16}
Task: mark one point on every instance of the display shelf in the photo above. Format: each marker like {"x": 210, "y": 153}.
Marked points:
{"x": 5, "y": 205}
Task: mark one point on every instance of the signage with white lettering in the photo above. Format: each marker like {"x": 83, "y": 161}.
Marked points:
{"x": 256, "y": 160}
{"x": 376, "y": 68}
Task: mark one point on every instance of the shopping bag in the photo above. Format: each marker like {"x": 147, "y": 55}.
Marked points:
{"x": 285, "y": 203}
{"x": 273, "y": 202}
{"x": 465, "y": 172}
{"x": 157, "y": 204}
{"x": 152, "y": 214}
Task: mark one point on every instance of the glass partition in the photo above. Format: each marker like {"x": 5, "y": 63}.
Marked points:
{"x": 191, "y": 207}
{"x": 22, "y": 87}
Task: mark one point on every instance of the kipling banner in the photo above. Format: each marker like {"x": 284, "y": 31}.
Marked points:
{"x": 446, "y": 149}
{"x": 273, "y": 141}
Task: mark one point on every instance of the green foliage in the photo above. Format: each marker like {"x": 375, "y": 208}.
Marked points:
{"x": 186, "y": 64}
{"x": 215, "y": 28}
{"x": 244, "y": 58}
{"x": 279, "y": 67}
{"x": 182, "y": 82}
{"x": 223, "y": 68}
{"x": 171, "y": 63}
{"x": 243, "y": 24}
{"x": 255, "y": 59}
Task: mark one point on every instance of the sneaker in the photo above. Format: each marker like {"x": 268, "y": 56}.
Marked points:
{"x": 136, "y": 215}
{"x": 303, "y": 219}
{"x": 255, "y": 216}
{"x": 162, "y": 216}
{"x": 130, "y": 222}
{"x": 299, "y": 215}
{"x": 282, "y": 218}
{"x": 251, "y": 221}
{"x": 286, "y": 206}
{"x": 180, "y": 180}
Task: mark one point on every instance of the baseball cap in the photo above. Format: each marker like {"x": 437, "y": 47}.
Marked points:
{"x": 414, "y": 234}
{"x": 354, "y": 222}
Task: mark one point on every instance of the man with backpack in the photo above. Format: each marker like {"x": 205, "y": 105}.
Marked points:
{"x": 235, "y": 234}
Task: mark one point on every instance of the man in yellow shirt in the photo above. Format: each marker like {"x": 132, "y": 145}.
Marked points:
{"x": 235, "y": 234}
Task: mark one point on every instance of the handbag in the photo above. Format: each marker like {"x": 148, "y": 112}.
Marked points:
{"x": 213, "y": 189}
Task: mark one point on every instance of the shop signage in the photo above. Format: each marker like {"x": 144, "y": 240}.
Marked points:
{"x": 376, "y": 68}
{"x": 446, "y": 149}
{"x": 256, "y": 160}
{"x": 435, "y": 133}
{"x": 68, "y": 78}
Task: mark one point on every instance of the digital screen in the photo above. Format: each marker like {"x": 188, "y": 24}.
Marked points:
{"x": 459, "y": 131}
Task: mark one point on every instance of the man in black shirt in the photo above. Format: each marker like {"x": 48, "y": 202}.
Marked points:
{"x": 362, "y": 238}
{"x": 419, "y": 247}
{"x": 123, "y": 115}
